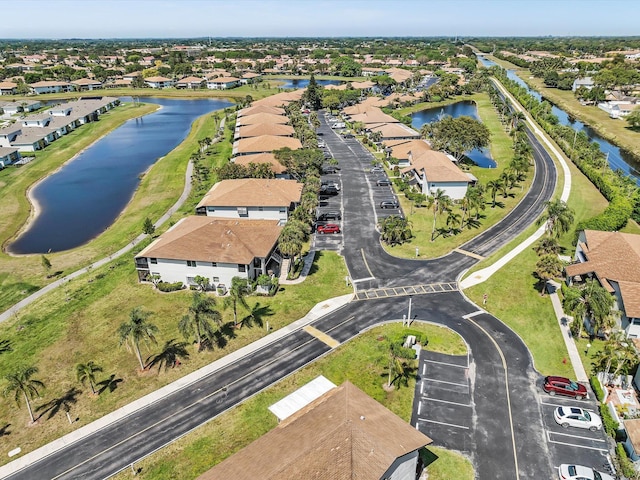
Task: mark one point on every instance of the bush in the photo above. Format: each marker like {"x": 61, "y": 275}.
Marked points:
{"x": 597, "y": 389}
{"x": 170, "y": 287}
{"x": 625, "y": 465}
{"x": 609, "y": 423}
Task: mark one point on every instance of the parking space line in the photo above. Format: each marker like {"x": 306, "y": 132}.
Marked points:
{"x": 446, "y": 401}
{"x": 419, "y": 408}
{"x": 445, "y": 363}
{"x": 566, "y": 406}
{"x": 549, "y": 433}
{"x": 579, "y": 446}
{"x": 421, "y": 388}
{"x": 450, "y": 383}
{"x": 424, "y": 370}
{"x": 443, "y": 423}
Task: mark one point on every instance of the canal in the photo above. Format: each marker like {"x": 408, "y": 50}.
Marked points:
{"x": 618, "y": 159}
{"x": 480, "y": 157}
{"x": 84, "y": 197}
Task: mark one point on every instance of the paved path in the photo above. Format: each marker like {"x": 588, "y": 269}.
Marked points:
{"x": 308, "y": 262}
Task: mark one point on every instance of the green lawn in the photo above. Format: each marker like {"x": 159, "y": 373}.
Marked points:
{"x": 361, "y": 361}
{"x": 78, "y": 322}
{"x": 422, "y": 218}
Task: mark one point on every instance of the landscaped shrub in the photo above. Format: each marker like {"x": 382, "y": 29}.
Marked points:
{"x": 170, "y": 287}
{"x": 597, "y": 389}
{"x": 609, "y": 423}
{"x": 624, "y": 463}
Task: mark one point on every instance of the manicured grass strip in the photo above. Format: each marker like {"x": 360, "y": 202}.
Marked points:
{"x": 362, "y": 361}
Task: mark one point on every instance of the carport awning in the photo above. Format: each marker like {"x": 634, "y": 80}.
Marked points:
{"x": 301, "y": 397}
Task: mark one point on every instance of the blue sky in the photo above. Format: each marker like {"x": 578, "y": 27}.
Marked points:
{"x": 309, "y": 18}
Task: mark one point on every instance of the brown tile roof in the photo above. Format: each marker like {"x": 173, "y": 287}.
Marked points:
{"x": 394, "y": 130}
{"x": 8, "y": 85}
{"x": 269, "y": 158}
{"x": 49, "y": 83}
{"x": 437, "y": 167}
{"x": 157, "y": 79}
{"x": 265, "y": 144}
{"x": 247, "y": 131}
{"x": 343, "y": 435}
{"x": 190, "y": 80}
{"x": 280, "y": 99}
{"x": 402, "y": 150}
{"x": 210, "y": 239}
{"x": 262, "y": 117}
{"x": 253, "y": 192}
{"x": 260, "y": 109}
{"x": 86, "y": 81}
{"x": 373, "y": 115}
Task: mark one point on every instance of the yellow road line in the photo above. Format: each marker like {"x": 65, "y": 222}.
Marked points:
{"x": 365, "y": 262}
{"x": 323, "y": 337}
{"x": 468, "y": 254}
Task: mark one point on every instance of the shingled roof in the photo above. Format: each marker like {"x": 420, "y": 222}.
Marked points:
{"x": 253, "y": 192}
{"x": 342, "y": 435}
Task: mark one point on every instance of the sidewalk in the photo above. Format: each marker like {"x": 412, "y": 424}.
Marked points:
{"x": 563, "y": 322}
{"x": 308, "y": 261}
{"x": 322, "y": 308}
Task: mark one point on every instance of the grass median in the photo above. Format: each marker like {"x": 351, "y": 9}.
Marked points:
{"x": 361, "y": 361}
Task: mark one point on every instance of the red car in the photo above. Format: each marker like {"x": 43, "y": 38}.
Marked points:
{"x": 328, "y": 228}
{"x": 564, "y": 386}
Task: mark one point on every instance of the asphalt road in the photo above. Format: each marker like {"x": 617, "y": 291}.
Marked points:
{"x": 506, "y": 434}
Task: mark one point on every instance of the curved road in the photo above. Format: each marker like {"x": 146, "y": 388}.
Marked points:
{"x": 501, "y": 446}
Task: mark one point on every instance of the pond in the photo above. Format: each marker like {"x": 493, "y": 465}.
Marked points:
{"x": 480, "y": 157}
{"x": 303, "y": 82}
{"x": 84, "y": 197}
{"x": 618, "y": 158}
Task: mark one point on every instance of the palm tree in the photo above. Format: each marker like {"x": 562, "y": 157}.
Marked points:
{"x": 591, "y": 301}
{"x": 438, "y": 202}
{"x": 557, "y": 218}
{"x": 170, "y": 356}
{"x": 21, "y": 385}
{"x": 547, "y": 246}
{"x": 401, "y": 364}
{"x": 198, "y": 322}
{"x": 452, "y": 220}
{"x": 86, "y": 372}
{"x": 395, "y": 230}
{"x": 237, "y": 292}
{"x": 548, "y": 268}
{"x": 137, "y": 329}
{"x": 494, "y": 186}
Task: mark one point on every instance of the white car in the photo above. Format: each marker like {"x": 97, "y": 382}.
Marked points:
{"x": 578, "y": 472}
{"x": 577, "y": 417}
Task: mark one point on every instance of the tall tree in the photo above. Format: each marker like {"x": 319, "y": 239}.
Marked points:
{"x": 402, "y": 364}
{"x": 591, "y": 302}
{"x": 237, "y": 296}
{"x": 86, "y": 372}
{"x": 21, "y": 385}
{"x": 548, "y": 268}
{"x": 313, "y": 94}
{"x": 437, "y": 203}
{"x": 557, "y": 218}
{"x": 547, "y": 246}
{"x": 148, "y": 228}
{"x": 202, "y": 320}
{"x": 395, "y": 230}
{"x": 456, "y": 135}
{"x": 137, "y": 329}
{"x": 494, "y": 186}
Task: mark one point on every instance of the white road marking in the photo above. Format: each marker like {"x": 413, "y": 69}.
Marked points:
{"x": 446, "y": 401}
{"x": 566, "y": 406}
{"x": 443, "y": 423}
{"x": 421, "y": 388}
{"x": 448, "y": 364}
{"x": 449, "y": 383}
{"x": 549, "y": 433}
{"x": 419, "y": 407}
{"x": 579, "y": 446}
{"x": 424, "y": 369}
{"x": 473, "y": 314}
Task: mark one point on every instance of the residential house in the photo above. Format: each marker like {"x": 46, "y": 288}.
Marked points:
{"x": 278, "y": 169}
{"x": 192, "y": 83}
{"x": 51, "y": 87}
{"x": 280, "y": 99}
{"x": 277, "y": 129}
{"x": 262, "y": 118}
{"x": 586, "y": 82}
{"x": 216, "y": 248}
{"x": 433, "y": 170}
{"x": 245, "y": 112}
{"x": 404, "y": 150}
{"x": 613, "y": 259}
{"x": 341, "y": 435}
{"x": 252, "y": 198}
{"x": 9, "y": 156}
{"x": 158, "y": 82}
{"x": 86, "y": 84}
{"x": 8, "y": 88}
{"x": 264, "y": 144}
{"x": 394, "y": 131}
{"x": 250, "y": 77}
{"x": 222, "y": 83}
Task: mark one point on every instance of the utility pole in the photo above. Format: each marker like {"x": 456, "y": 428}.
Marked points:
{"x": 409, "y": 312}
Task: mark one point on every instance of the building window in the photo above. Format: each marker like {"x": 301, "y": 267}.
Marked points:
{"x": 283, "y": 210}
{"x": 191, "y": 263}
{"x": 211, "y": 209}
{"x": 242, "y": 268}
{"x": 216, "y": 279}
{"x": 242, "y": 212}
{"x": 260, "y": 209}
{"x": 214, "y": 264}
{"x": 153, "y": 260}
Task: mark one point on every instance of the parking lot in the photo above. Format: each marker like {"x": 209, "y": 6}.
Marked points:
{"x": 572, "y": 445}
{"x": 443, "y": 402}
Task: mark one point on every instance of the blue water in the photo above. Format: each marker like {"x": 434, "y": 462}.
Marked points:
{"x": 85, "y": 196}
{"x": 303, "y": 82}
{"x": 618, "y": 159}
{"x": 480, "y": 157}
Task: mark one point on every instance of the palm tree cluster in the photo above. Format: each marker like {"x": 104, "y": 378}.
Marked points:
{"x": 617, "y": 357}
{"x": 395, "y": 230}
{"x": 590, "y": 302}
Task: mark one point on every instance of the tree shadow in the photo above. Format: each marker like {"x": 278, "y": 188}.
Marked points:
{"x": 170, "y": 356}
{"x": 5, "y": 346}
{"x": 498, "y": 204}
{"x": 472, "y": 223}
{"x": 110, "y": 383}
{"x": 64, "y": 403}
{"x": 256, "y": 316}
{"x": 221, "y": 337}
{"x": 4, "y": 431}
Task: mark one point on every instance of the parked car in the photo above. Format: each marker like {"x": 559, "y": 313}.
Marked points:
{"x": 328, "y": 190}
{"x": 564, "y": 386}
{"x": 329, "y": 169}
{"x": 383, "y": 182}
{"x": 347, "y": 135}
{"x": 330, "y": 183}
{"x": 329, "y": 216}
{"x": 328, "y": 228}
{"x": 389, "y": 204}
{"x": 577, "y": 417}
{"x": 377, "y": 169}
{"x": 321, "y": 144}
{"x": 579, "y": 472}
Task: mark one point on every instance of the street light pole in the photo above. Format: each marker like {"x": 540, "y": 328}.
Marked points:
{"x": 409, "y": 313}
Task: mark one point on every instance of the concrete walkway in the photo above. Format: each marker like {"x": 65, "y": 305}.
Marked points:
{"x": 322, "y": 308}
{"x": 564, "y": 321}
{"x": 482, "y": 275}
{"x": 308, "y": 261}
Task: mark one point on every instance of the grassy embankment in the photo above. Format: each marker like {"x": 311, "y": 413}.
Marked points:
{"x": 361, "y": 361}
{"x": 422, "y": 218}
